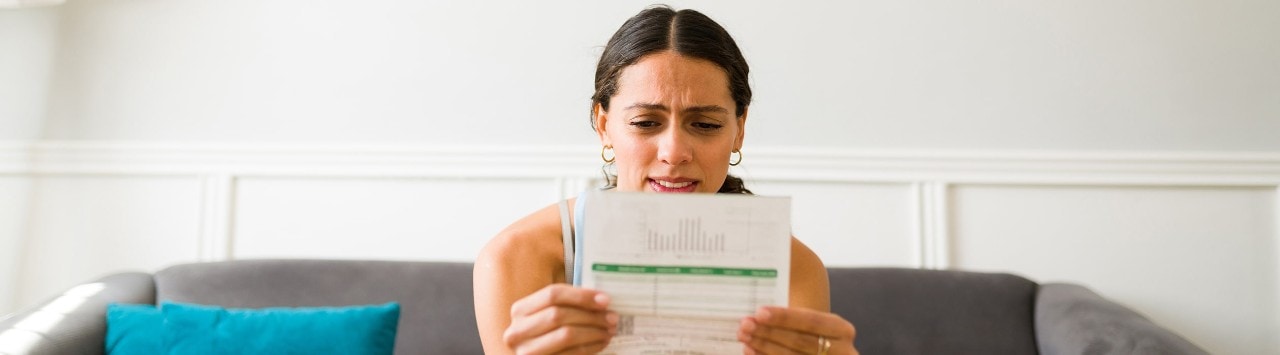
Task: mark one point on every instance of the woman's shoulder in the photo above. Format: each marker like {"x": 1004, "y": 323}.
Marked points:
{"x": 533, "y": 241}
{"x": 809, "y": 285}
{"x": 803, "y": 257}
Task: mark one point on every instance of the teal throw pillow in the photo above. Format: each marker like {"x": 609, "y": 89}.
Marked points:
{"x": 196, "y": 329}
{"x": 134, "y": 329}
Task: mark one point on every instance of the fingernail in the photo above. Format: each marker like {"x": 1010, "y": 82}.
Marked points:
{"x": 762, "y": 314}
{"x": 602, "y": 299}
{"x": 748, "y": 326}
{"x": 612, "y": 318}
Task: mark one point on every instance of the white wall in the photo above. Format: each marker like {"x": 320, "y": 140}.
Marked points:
{"x": 1128, "y": 146}
{"x": 13, "y": 224}
{"x": 1163, "y": 250}
{"x": 27, "y": 41}
{"x": 83, "y": 227}
{"x": 1094, "y": 75}
{"x": 434, "y": 219}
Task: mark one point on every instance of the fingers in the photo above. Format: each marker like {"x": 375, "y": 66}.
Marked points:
{"x": 765, "y": 340}
{"x": 774, "y": 340}
{"x": 560, "y": 295}
{"x": 589, "y": 349}
{"x": 561, "y": 319}
{"x": 567, "y": 340}
{"x": 803, "y": 320}
{"x": 776, "y": 330}
{"x": 550, "y": 318}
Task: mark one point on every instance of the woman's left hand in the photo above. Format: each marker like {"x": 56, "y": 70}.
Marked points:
{"x": 779, "y": 330}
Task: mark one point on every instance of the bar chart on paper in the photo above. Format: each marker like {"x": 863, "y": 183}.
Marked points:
{"x": 689, "y": 237}
{"x": 727, "y": 236}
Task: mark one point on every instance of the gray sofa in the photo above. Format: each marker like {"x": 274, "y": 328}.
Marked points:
{"x": 896, "y": 311}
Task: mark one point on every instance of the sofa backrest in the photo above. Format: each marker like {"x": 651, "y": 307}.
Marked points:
{"x": 896, "y": 311}
{"x": 912, "y": 311}
{"x": 437, "y": 315}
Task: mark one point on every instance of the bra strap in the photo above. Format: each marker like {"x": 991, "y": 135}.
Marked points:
{"x": 566, "y": 231}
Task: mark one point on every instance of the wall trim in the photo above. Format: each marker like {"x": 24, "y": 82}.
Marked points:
{"x": 15, "y": 157}
{"x": 934, "y": 212}
{"x": 931, "y": 175}
{"x": 217, "y": 217}
{"x": 579, "y": 163}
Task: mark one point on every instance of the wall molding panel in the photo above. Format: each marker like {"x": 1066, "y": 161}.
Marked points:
{"x": 217, "y": 216}
{"x": 930, "y": 174}
{"x": 934, "y": 250}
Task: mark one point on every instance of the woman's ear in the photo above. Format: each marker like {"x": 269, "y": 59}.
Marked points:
{"x": 602, "y": 118}
{"x": 742, "y": 129}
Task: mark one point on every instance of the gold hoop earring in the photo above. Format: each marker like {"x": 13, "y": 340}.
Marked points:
{"x": 735, "y": 162}
{"x": 607, "y": 148}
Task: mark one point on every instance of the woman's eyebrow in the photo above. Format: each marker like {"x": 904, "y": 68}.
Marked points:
{"x": 694, "y": 109}
{"x": 706, "y": 108}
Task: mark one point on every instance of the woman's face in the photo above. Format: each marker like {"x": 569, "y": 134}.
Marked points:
{"x": 671, "y": 124}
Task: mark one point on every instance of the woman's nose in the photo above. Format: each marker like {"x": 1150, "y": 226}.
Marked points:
{"x": 674, "y": 148}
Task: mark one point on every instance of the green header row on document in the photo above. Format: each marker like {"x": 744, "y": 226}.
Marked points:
{"x": 684, "y": 270}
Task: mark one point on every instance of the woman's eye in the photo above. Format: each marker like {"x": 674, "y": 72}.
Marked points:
{"x": 706, "y": 126}
{"x": 644, "y": 124}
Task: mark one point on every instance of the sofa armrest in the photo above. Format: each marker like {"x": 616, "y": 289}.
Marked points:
{"x": 74, "y": 322}
{"x": 1071, "y": 319}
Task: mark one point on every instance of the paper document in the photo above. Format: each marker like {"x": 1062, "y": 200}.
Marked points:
{"x": 683, "y": 270}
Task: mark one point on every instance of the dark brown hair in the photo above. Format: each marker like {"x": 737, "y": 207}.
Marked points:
{"x": 687, "y": 32}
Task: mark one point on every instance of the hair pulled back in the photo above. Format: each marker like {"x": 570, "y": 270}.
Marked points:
{"x": 686, "y": 32}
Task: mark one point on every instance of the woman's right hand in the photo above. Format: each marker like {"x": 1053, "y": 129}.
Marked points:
{"x": 561, "y": 319}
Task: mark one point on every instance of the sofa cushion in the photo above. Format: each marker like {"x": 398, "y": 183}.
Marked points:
{"x": 134, "y": 329}
{"x": 912, "y": 311}
{"x": 176, "y": 328}
{"x": 199, "y": 329}
{"x": 437, "y": 315}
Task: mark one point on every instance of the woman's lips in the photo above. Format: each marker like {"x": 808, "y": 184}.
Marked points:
{"x": 672, "y": 186}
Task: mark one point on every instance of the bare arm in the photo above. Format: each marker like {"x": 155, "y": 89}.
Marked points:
{"x": 498, "y": 283}
{"x": 809, "y": 284}
{"x": 522, "y": 304}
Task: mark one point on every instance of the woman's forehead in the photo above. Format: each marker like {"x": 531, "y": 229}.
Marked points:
{"x": 667, "y": 76}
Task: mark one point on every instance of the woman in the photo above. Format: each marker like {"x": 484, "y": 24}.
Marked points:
{"x": 670, "y": 108}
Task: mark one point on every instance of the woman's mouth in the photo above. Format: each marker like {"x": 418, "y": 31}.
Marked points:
{"x": 673, "y": 186}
